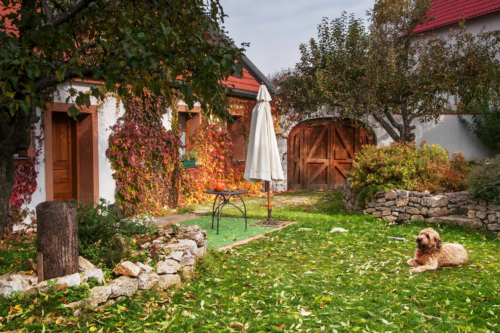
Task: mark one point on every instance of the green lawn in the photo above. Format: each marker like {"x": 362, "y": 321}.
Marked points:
{"x": 231, "y": 230}
{"x": 311, "y": 281}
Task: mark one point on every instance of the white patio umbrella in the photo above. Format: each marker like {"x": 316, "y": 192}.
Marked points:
{"x": 263, "y": 159}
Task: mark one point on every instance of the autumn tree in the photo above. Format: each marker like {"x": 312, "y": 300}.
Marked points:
{"x": 171, "y": 47}
{"x": 387, "y": 74}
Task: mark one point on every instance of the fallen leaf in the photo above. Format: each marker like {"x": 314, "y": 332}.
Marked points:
{"x": 304, "y": 313}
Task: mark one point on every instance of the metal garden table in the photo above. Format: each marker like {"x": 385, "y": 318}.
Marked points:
{"x": 224, "y": 199}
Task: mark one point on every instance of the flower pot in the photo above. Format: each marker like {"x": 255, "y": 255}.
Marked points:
{"x": 189, "y": 163}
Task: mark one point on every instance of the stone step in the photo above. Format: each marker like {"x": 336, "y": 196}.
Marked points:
{"x": 456, "y": 220}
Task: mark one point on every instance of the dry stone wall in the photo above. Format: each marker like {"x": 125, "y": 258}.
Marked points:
{"x": 177, "y": 250}
{"x": 407, "y": 206}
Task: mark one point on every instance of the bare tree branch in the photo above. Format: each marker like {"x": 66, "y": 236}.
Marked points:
{"x": 47, "y": 11}
{"x": 393, "y": 121}
{"x": 390, "y": 130}
{"x": 63, "y": 18}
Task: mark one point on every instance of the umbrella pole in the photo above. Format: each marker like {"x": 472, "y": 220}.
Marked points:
{"x": 269, "y": 210}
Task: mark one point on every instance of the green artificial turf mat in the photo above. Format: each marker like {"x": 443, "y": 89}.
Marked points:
{"x": 230, "y": 230}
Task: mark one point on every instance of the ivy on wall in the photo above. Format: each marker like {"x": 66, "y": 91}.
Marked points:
{"x": 25, "y": 185}
{"x": 145, "y": 158}
{"x": 147, "y": 163}
{"x": 214, "y": 146}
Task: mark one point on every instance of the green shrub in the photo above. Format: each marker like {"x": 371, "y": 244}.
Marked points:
{"x": 102, "y": 237}
{"x": 408, "y": 167}
{"x": 485, "y": 122}
{"x": 484, "y": 180}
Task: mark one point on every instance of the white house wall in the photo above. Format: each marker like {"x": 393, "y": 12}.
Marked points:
{"x": 107, "y": 117}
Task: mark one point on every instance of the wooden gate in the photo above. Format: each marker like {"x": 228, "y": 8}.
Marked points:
{"x": 320, "y": 153}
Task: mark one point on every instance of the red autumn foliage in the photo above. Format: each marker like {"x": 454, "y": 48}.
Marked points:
{"x": 215, "y": 151}
{"x": 145, "y": 159}
{"x": 24, "y": 187}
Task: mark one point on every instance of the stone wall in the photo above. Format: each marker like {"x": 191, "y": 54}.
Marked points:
{"x": 177, "y": 250}
{"x": 407, "y": 206}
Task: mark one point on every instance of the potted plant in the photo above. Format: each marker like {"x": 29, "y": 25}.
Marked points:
{"x": 189, "y": 159}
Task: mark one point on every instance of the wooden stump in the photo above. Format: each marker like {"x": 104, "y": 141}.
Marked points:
{"x": 57, "y": 229}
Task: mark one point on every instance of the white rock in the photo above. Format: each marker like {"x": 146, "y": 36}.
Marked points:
{"x": 124, "y": 285}
{"x": 12, "y": 282}
{"x": 202, "y": 250}
{"x": 33, "y": 280}
{"x": 188, "y": 272}
{"x": 96, "y": 273}
{"x": 146, "y": 245}
{"x": 168, "y": 266}
{"x": 169, "y": 280}
{"x": 183, "y": 244}
{"x": 187, "y": 260}
{"x": 147, "y": 281}
{"x": 72, "y": 280}
{"x": 127, "y": 268}
{"x": 177, "y": 255}
{"x": 84, "y": 264}
{"x": 99, "y": 295}
{"x": 145, "y": 268}
{"x": 338, "y": 230}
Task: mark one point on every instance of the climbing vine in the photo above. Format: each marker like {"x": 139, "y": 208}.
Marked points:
{"x": 215, "y": 151}
{"x": 25, "y": 185}
{"x": 145, "y": 158}
{"x": 147, "y": 164}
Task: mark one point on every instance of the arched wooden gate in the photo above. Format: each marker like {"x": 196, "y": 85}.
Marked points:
{"x": 320, "y": 152}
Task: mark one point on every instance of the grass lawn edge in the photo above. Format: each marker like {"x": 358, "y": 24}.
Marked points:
{"x": 247, "y": 240}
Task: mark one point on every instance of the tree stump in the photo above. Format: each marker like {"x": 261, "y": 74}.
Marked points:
{"x": 57, "y": 229}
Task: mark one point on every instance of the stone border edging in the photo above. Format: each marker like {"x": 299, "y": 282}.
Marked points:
{"x": 408, "y": 206}
{"x": 178, "y": 258}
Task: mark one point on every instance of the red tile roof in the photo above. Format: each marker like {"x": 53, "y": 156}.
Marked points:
{"x": 447, "y": 12}
{"x": 247, "y": 82}
{"x": 10, "y": 29}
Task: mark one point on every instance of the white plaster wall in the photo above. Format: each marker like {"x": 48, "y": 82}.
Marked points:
{"x": 448, "y": 133}
{"x": 107, "y": 117}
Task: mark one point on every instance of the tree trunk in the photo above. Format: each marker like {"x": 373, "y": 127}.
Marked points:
{"x": 57, "y": 229}
{"x": 6, "y": 184}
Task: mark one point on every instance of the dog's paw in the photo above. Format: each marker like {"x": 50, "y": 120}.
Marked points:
{"x": 415, "y": 270}
{"x": 412, "y": 262}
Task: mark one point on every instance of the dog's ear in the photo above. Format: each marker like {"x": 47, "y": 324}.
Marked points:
{"x": 438, "y": 242}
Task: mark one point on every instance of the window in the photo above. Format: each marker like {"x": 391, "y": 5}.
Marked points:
{"x": 189, "y": 122}
{"x": 237, "y": 133}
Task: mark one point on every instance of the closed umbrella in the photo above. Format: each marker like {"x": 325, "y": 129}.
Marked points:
{"x": 263, "y": 160}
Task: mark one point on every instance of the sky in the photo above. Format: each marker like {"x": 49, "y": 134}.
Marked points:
{"x": 276, "y": 28}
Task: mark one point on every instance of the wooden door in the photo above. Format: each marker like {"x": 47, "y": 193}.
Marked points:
{"x": 64, "y": 157}
{"x": 321, "y": 152}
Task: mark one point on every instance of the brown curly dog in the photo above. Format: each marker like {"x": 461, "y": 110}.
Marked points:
{"x": 431, "y": 253}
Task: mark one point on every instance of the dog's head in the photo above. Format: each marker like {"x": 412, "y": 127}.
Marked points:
{"x": 428, "y": 238}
